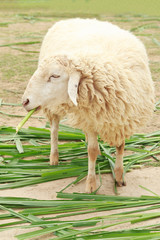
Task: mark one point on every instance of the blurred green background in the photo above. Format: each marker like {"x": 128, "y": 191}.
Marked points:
{"x": 95, "y": 7}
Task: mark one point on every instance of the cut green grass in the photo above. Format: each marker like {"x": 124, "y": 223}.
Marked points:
{"x": 29, "y": 114}
{"x": 76, "y": 203}
{"x": 34, "y": 143}
{"x": 19, "y": 43}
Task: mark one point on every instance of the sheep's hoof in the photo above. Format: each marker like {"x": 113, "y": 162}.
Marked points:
{"x": 91, "y": 184}
{"x": 54, "y": 158}
{"x": 121, "y": 183}
{"x": 119, "y": 177}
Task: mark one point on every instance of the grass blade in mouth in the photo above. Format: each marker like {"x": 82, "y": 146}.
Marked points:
{"x": 20, "y": 125}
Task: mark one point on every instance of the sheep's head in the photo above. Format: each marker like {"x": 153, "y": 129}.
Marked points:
{"x": 53, "y": 83}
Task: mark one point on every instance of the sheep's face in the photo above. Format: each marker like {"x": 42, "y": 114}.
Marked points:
{"x": 50, "y": 85}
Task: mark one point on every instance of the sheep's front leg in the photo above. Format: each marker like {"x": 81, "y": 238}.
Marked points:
{"x": 119, "y": 165}
{"x": 54, "y": 141}
{"x": 93, "y": 152}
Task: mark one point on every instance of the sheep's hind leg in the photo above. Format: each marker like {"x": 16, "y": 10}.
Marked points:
{"x": 93, "y": 152}
{"x": 119, "y": 165}
{"x": 54, "y": 140}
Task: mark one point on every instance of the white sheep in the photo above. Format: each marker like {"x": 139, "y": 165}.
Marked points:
{"x": 98, "y": 75}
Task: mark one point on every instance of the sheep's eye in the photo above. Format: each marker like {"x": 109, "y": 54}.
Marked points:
{"x": 54, "y": 76}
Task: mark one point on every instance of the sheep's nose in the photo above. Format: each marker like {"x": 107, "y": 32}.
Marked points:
{"x": 25, "y": 102}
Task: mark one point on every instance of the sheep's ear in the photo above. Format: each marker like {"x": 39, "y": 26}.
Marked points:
{"x": 73, "y": 86}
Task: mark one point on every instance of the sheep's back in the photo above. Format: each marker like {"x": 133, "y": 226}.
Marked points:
{"x": 85, "y": 37}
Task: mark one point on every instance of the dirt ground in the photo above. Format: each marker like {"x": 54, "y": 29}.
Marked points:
{"x": 16, "y": 69}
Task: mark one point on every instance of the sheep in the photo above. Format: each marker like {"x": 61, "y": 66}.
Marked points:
{"x": 97, "y": 75}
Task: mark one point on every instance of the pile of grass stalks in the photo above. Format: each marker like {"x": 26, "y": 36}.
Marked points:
{"x": 34, "y": 212}
{"x": 24, "y": 157}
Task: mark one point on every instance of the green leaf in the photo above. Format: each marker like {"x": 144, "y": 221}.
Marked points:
{"x": 19, "y": 145}
{"x": 43, "y": 231}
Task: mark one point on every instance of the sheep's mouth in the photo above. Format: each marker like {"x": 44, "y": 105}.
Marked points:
{"x": 37, "y": 109}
